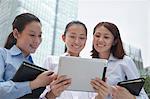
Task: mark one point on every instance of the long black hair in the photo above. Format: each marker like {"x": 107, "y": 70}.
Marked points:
{"x": 19, "y": 23}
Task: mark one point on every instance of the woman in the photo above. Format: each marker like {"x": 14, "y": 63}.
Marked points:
{"x": 74, "y": 37}
{"x": 24, "y": 40}
{"x": 107, "y": 44}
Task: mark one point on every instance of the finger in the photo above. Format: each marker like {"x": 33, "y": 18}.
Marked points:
{"x": 61, "y": 84}
{"x": 114, "y": 91}
{"x": 101, "y": 82}
{"x": 48, "y": 73}
{"x": 99, "y": 85}
{"x": 65, "y": 82}
{"x": 59, "y": 88}
{"x": 53, "y": 76}
{"x": 99, "y": 90}
{"x": 64, "y": 87}
{"x": 60, "y": 79}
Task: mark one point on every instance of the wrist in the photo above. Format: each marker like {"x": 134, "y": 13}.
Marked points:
{"x": 99, "y": 97}
{"x": 50, "y": 95}
{"x": 34, "y": 84}
{"x": 133, "y": 97}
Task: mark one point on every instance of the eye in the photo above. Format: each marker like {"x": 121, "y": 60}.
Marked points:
{"x": 106, "y": 37}
{"x": 97, "y": 36}
{"x": 82, "y": 38}
{"x": 40, "y": 35}
{"x": 32, "y": 35}
{"x": 71, "y": 36}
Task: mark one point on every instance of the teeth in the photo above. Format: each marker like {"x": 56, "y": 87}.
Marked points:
{"x": 100, "y": 45}
{"x": 76, "y": 46}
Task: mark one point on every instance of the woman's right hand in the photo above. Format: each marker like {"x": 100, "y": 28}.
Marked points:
{"x": 43, "y": 79}
{"x": 58, "y": 86}
{"x": 101, "y": 87}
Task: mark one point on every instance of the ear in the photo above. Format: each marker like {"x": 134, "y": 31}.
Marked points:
{"x": 63, "y": 37}
{"x": 16, "y": 33}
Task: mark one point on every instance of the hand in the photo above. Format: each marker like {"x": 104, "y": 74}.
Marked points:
{"x": 121, "y": 93}
{"x": 101, "y": 87}
{"x": 42, "y": 80}
{"x": 59, "y": 85}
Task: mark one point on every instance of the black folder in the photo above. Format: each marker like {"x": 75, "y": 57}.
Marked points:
{"x": 134, "y": 86}
{"x": 28, "y": 72}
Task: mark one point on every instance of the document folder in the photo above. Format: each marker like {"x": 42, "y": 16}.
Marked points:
{"x": 28, "y": 72}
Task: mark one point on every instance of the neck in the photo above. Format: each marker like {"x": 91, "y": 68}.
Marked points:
{"x": 104, "y": 55}
{"x": 73, "y": 54}
{"x": 25, "y": 54}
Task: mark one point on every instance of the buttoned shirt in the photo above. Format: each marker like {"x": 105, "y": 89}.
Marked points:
{"x": 10, "y": 61}
{"x": 117, "y": 70}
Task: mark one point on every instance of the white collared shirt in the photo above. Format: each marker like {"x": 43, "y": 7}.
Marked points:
{"x": 117, "y": 70}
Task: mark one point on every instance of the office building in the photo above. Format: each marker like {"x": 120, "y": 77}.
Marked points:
{"x": 54, "y": 15}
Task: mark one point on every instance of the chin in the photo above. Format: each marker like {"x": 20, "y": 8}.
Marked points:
{"x": 33, "y": 51}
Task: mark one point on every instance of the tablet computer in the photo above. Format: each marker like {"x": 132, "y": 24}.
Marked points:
{"x": 81, "y": 71}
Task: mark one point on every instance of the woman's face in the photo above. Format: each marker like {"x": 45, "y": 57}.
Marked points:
{"x": 103, "y": 40}
{"x": 30, "y": 38}
{"x": 75, "y": 38}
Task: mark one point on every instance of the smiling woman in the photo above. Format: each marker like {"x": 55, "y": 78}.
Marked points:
{"x": 24, "y": 40}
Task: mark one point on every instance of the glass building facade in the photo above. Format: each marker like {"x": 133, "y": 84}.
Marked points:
{"x": 135, "y": 54}
{"x": 54, "y": 15}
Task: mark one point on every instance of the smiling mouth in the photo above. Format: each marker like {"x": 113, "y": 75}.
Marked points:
{"x": 77, "y": 47}
{"x": 34, "y": 47}
{"x": 100, "y": 45}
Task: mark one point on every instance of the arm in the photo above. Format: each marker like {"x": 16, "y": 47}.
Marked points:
{"x": 9, "y": 88}
{"x": 132, "y": 73}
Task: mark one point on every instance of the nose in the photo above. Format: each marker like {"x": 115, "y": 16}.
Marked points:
{"x": 37, "y": 40}
{"x": 100, "y": 39}
{"x": 77, "y": 40}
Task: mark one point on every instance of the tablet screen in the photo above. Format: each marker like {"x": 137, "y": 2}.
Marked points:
{"x": 81, "y": 70}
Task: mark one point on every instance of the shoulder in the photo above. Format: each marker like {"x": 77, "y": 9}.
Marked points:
{"x": 3, "y": 51}
{"x": 128, "y": 59}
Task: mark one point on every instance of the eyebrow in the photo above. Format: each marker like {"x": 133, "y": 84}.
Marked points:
{"x": 34, "y": 31}
{"x": 104, "y": 33}
{"x": 75, "y": 33}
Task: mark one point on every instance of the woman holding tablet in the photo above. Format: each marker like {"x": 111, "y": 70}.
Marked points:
{"x": 107, "y": 44}
{"x": 25, "y": 39}
{"x": 74, "y": 37}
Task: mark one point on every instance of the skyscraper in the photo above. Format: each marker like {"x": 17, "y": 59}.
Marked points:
{"x": 54, "y": 15}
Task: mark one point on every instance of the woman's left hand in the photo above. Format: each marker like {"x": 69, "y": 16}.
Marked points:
{"x": 121, "y": 93}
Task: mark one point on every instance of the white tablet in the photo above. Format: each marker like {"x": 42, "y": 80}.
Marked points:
{"x": 81, "y": 70}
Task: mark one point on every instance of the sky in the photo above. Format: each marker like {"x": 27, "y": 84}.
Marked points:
{"x": 131, "y": 17}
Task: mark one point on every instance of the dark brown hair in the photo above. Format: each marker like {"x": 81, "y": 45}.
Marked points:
{"x": 19, "y": 23}
{"x": 72, "y": 23}
{"x": 116, "y": 49}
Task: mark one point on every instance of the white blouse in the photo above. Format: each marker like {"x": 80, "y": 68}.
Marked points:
{"x": 117, "y": 70}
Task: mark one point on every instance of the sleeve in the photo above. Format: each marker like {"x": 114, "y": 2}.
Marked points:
{"x": 48, "y": 63}
{"x": 9, "y": 88}
{"x": 51, "y": 63}
{"x": 131, "y": 72}
{"x": 43, "y": 95}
